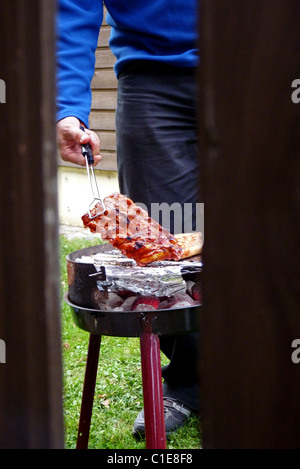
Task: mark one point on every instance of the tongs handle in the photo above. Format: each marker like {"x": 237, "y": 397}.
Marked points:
{"x": 87, "y": 150}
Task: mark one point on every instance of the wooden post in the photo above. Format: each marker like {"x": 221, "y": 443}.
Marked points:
{"x": 250, "y": 143}
{"x": 30, "y": 380}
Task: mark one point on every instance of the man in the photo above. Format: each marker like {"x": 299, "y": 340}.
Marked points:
{"x": 154, "y": 42}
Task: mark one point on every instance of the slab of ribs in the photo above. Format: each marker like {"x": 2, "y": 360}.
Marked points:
{"x": 128, "y": 227}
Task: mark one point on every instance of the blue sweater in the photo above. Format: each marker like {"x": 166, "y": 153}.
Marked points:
{"x": 160, "y": 30}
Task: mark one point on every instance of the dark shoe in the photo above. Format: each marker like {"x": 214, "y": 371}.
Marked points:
{"x": 176, "y": 415}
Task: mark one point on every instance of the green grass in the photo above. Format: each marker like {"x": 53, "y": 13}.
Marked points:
{"x": 118, "y": 395}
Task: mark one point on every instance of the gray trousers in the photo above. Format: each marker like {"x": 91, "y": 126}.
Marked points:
{"x": 157, "y": 155}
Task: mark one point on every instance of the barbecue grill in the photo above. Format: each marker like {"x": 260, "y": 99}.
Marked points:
{"x": 85, "y": 279}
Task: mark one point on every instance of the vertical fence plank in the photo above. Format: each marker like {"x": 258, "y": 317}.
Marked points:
{"x": 30, "y": 380}
{"x": 250, "y": 142}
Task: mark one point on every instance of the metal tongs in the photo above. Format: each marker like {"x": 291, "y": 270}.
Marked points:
{"x": 89, "y": 160}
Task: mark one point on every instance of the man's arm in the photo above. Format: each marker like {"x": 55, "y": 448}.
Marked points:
{"x": 78, "y": 25}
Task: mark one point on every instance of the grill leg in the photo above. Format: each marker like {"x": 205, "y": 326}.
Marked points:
{"x": 88, "y": 391}
{"x": 152, "y": 389}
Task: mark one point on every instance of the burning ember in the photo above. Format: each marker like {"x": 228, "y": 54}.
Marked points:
{"x": 129, "y": 301}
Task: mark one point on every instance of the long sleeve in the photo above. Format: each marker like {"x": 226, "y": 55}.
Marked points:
{"x": 78, "y": 25}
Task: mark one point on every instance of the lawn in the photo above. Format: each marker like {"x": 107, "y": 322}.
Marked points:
{"x": 118, "y": 395}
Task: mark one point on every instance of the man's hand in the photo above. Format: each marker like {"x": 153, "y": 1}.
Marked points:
{"x": 70, "y": 138}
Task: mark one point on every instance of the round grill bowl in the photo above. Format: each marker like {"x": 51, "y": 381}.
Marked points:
{"x": 130, "y": 323}
{"x": 87, "y": 316}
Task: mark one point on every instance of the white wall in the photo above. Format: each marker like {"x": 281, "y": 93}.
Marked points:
{"x": 75, "y": 195}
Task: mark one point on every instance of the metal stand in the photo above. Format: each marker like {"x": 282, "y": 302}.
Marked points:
{"x": 152, "y": 389}
{"x": 88, "y": 391}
